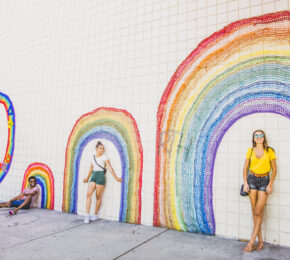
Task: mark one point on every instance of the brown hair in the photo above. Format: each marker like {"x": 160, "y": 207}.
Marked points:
{"x": 99, "y": 144}
{"x": 265, "y": 143}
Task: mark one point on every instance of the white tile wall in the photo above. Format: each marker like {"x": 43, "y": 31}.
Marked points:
{"x": 61, "y": 59}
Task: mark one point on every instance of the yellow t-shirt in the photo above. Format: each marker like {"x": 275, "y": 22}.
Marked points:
{"x": 261, "y": 165}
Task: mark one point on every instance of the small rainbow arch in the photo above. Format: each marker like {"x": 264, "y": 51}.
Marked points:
{"x": 119, "y": 127}
{"x": 6, "y": 163}
{"x": 44, "y": 179}
{"x": 239, "y": 70}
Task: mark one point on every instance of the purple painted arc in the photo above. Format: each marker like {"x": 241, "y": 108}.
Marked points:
{"x": 208, "y": 109}
{"x": 250, "y": 104}
{"x": 123, "y": 156}
{"x": 193, "y": 121}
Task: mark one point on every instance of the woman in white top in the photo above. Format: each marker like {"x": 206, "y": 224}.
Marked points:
{"x": 97, "y": 180}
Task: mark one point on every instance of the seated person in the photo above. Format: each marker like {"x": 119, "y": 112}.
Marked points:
{"x": 25, "y": 200}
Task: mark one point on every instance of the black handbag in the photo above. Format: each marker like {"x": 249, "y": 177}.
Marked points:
{"x": 242, "y": 192}
{"x": 100, "y": 165}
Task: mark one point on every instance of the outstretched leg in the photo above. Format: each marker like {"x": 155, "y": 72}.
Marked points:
{"x": 99, "y": 195}
{"x": 5, "y": 204}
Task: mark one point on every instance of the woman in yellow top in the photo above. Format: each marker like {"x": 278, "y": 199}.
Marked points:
{"x": 260, "y": 160}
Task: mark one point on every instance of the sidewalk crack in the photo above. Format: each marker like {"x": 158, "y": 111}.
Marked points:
{"x": 144, "y": 242}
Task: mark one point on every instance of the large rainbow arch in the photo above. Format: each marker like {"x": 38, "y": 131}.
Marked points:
{"x": 6, "y": 163}
{"x": 44, "y": 179}
{"x": 239, "y": 70}
{"x": 119, "y": 127}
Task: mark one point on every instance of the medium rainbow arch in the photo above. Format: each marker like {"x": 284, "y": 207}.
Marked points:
{"x": 119, "y": 127}
{"x": 44, "y": 178}
{"x": 5, "y": 165}
{"x": 239, "y": 70}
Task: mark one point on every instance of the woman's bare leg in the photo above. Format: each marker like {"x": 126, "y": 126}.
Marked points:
{"x": 99, "y": 195}
{"x": 90, "y": 191}
{"x": 253, "y": 199}
{"x": 261, "y": 201}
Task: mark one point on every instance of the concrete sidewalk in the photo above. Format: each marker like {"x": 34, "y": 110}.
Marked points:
{"x": 45, "y": 234}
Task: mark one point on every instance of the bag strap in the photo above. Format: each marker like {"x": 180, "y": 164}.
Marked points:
{"x": 98, "y": 164}
{"x": 250, "y": 160}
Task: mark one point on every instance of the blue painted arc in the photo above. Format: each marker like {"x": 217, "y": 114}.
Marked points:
{"x": 274, "y": 73}
{"x": 42, "y": 183}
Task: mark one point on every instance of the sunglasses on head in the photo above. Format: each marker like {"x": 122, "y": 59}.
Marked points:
{"x": 259, "y": 135}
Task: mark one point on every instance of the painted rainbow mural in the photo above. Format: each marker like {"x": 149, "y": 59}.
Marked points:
{"x": 119, "y": 127}
{"x": 240, "y": 70}
{"x": 6, "y": 163}
{"x": 44, "y": 178}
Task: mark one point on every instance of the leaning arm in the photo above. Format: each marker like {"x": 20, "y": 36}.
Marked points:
{"x": 245, "y": 170}
{"x": 108, "y": 164}
{"x": 274, "y": 171}
{"x": 89, "y": 174}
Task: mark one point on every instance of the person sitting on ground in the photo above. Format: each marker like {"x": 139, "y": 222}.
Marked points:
{"x": 25, "y": 200}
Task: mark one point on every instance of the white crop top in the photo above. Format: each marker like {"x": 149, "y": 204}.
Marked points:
{"x": 100, "y": 160}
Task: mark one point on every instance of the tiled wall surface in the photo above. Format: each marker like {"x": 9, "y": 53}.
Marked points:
{"x": 62, "y": 59}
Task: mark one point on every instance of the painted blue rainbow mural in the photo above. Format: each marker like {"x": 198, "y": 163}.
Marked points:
{"x": 240, "y": 70}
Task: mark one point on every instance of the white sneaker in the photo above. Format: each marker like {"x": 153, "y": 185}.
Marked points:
{"x": 87, "y": 219}
{"x": 94, "y": 217}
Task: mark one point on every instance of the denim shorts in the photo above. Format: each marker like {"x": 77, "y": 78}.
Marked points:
{"x": 17, "y": 203}
{"x": 258, "y": 183}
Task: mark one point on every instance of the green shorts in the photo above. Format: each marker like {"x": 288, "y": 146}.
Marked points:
{"x": 98, "y": 177}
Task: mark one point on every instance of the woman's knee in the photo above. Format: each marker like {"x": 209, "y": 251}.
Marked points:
{"x": 258, "y": 212}
{"x": 89, "y": 195}
{"x": 99, "y": 198}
